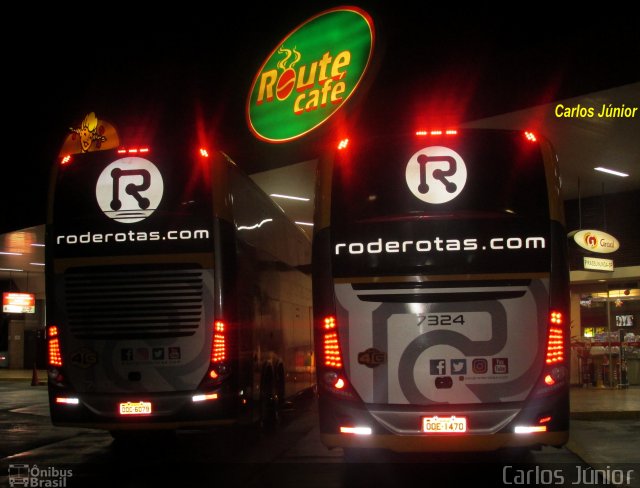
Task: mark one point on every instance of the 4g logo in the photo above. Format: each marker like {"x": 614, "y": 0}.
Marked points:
{"x": 84, "y": 358}
{"x": 372, "y": 357}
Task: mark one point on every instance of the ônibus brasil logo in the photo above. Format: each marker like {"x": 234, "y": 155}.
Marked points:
{"x": 310, "y": 74}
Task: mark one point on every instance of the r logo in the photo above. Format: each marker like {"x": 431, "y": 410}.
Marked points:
{"x": 436, "y": 174}
{"x": 129, "y": 189}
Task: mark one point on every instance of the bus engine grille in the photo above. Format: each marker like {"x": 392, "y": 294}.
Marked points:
{"x": 133, "y": 302}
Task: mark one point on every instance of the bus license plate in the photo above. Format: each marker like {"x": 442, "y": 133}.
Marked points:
{"x": 444, "y": 425}
{"x": 135, "y": 408}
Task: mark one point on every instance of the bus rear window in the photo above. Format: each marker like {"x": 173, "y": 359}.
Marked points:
{"x": 477, "y": 174}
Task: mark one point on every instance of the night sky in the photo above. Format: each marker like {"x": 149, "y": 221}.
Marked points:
{"x": 450, "y": 62}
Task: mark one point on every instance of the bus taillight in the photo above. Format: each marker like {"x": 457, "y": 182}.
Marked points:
{"x": 333, "y": 376}
{"x": 330, "y": 345}
{"x": 53, "y": 346}
{"x": 343, "y": 144}
{"x": 219, "y": 347}
{"x": 555, "y": 339}
{"x": 219, "y": 367}
{"x": 555, "y": 373}
{"x": 530, "y": 136}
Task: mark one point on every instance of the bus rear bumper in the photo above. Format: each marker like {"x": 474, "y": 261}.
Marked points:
{"x": 444, "y": 443}
{"x": 169, "y": 411}
{"x": 540, "y": 421}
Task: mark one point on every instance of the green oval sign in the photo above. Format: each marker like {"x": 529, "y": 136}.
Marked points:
{"x": 310, "y": 74}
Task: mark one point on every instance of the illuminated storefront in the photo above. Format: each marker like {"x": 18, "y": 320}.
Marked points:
{"x": 605, "y": 292}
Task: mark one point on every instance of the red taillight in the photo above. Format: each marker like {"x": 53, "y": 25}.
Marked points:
{"x": 530, "y": 136}
{"x": 556, "y": 318}
{"x": 555, "y": 339}
{"x": 65, "y": 160}
{"x": 333, "y": 377}
{"x": 203, "y": 152}
{"x": 330, "y": 345}
{"x": 219, "y": 347}
{"x": 343, "y": 144}
{"x": 55, "y": 356}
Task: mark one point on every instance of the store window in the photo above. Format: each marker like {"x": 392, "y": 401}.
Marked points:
{"x": 608, "y": 346}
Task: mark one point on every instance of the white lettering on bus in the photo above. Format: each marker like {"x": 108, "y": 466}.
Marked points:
{"x": 131, "y": 236}
{"x": 379, "y": 246}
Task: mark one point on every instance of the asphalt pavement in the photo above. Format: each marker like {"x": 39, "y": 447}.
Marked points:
{"x": 605, "y": 423}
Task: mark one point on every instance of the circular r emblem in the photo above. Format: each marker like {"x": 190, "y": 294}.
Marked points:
{"x": 129, "y": 189}
{"x": 436, "y": 174}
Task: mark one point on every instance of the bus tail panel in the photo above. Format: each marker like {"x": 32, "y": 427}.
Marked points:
{"x": 136, "y": 329}
{"x": 445, "y": 343}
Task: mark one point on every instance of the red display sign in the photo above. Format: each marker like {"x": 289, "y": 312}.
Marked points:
{"x": 18, "y": 302}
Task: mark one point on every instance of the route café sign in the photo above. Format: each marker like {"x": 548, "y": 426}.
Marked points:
{"x": 595, "y": 241}
{"x": 310, "y": 74}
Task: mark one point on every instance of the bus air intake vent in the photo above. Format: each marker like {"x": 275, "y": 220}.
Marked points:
{"x": 133, "y": 302}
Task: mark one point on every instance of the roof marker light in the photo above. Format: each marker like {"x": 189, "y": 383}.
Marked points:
{"x": 448, "y": 132}
{"x": 133, "y": 150}
{"x": 343, "y": 144}
{"x": 66, "y": 159}
{"x": 204, "y": 153}
{"x": 530, "y": 136}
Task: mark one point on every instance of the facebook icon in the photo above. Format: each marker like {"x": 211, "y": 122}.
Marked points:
{"x": 437, "y": 366}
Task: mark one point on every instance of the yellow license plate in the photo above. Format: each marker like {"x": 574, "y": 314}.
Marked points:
{"x": 135, "y": 408}
{"x": 444, "y": 425}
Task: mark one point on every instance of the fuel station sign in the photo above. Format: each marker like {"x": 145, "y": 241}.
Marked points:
{"x": 310, "y": 74}
{"x": 595, "y": 241}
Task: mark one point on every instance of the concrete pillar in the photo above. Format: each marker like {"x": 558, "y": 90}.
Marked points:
{"x": 16, "y": 344}
{"x": 576, "y": 334}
